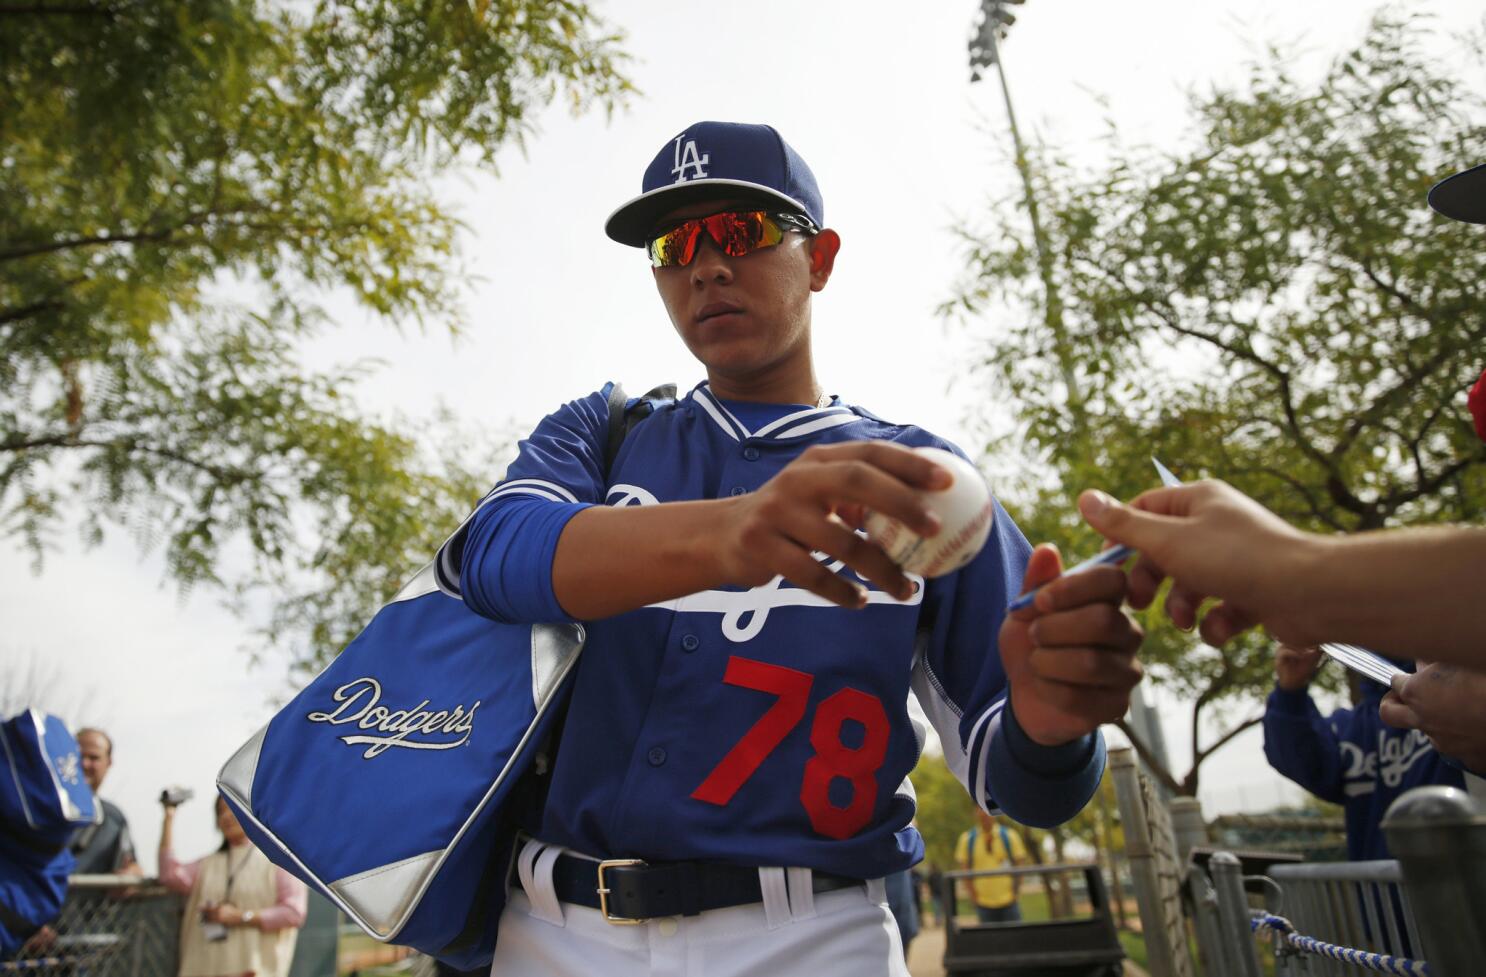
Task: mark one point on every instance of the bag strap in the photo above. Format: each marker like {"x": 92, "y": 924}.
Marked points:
{"x": 623, "y": 417}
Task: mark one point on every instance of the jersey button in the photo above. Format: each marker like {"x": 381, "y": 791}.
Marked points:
{"x": 691, "y": 642}
{"x": 656, "y": 756}
{"x": 738, "y": 490}
{"x": 751, "y": 453}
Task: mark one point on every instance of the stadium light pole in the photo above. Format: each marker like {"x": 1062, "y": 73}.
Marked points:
{"x": 985, "y": 51}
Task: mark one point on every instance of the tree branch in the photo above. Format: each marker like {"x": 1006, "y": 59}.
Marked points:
{"x": 31, "y": 250}
{"x": 1396, "y": 500}
{"x": 74, "y": 10}
{"x": 1223, "y": 740}
{"x": 1148, "y": 758}
{"x": 27, "y": 311}
{"x": 133, "y": 443}
{"x": 1247, "y": 354}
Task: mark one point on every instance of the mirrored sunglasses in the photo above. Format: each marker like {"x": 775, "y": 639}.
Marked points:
{"x": 735, "y": 233}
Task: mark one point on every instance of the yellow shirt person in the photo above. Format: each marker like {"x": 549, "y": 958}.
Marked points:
{"x": 991, "y": 845}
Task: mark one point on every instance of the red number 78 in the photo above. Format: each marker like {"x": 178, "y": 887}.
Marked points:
{"x": 831, "y": 759}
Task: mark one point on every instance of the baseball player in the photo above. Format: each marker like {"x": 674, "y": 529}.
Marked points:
{"x": 732, "y": 779}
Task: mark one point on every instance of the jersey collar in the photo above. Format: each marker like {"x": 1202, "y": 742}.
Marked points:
{"x": 801, "y": 423}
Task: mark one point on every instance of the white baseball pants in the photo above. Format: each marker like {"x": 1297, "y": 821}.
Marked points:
{"x": 794, "y": 932}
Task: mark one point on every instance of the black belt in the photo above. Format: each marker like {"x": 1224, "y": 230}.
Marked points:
{"x": 628, "y": 890}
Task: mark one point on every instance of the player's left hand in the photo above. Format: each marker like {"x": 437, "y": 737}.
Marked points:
{"x": 1070, "y": 657}
{"x": 1444, "y": 703}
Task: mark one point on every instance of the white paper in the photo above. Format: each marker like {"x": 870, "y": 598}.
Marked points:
{"x": 1364, "y": 662}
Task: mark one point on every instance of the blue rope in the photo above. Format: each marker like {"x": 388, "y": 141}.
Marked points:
{"x": 1381, "y": 962}
{"x": 34, "y": 963}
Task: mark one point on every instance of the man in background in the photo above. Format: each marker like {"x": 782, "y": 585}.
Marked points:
{"x": 987, "y": 846}
{"x": 104, "y": 848}
{"x": 1350, "y": 757}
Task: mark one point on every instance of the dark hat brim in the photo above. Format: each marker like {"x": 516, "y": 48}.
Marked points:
{"x": 1462, "y": 197}
{"x": 634, "y": 220}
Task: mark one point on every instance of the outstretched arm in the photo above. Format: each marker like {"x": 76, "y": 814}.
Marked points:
{"x": 1406, "y": 592}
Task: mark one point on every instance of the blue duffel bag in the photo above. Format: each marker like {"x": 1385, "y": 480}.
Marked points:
{"x": 394, "y": 782}
{"x": 44, "y": 799}
{"x": 390, "y": 782}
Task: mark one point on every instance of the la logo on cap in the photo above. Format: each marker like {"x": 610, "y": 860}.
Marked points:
{"x": 687, "y": 158}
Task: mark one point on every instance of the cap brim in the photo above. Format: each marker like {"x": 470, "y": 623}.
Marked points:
{"x": 1462, "y": 197}
{"x": 634, "y": 220}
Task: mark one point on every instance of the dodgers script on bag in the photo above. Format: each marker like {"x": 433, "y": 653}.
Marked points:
{"x": 360, "y": 704}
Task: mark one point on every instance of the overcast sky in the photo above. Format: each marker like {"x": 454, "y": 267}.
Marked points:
{"x": 876, "y": 98}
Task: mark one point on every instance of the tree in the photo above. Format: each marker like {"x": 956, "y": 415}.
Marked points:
{"x": 1271, "y": 304}
{"x": 945, "y": 811}
{"x": 159, "y": 162}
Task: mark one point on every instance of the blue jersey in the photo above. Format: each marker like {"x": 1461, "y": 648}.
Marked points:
{"x": 761, "y": 726}
{"x": 1352, "y": 758}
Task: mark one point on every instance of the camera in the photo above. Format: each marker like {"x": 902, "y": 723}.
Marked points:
{"x": 173, "y": 796}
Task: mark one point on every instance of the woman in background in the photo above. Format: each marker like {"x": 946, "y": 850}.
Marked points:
{"x": 242, "y": 912}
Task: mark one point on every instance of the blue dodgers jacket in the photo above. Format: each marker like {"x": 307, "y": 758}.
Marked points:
{"x": 1352, "y": 758}
{"x": 758, "y": 726}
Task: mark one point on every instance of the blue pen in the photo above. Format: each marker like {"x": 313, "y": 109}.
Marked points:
{"x": 1115, "y": 554}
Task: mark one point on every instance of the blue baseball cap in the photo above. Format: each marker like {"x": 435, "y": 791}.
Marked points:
{"x": 1462, "y": 197}
{"x": 718, "y": 159}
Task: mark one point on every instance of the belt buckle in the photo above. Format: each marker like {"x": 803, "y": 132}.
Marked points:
{"x": 603, "y": 890}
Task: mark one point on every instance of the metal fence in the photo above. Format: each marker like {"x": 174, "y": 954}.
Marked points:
{"x": 122, "y": 926}
{"x": 1424, "y": 913}
{"x": 107, "y": 929}
{"x": 1156, "y": 871}
{"x": 1354, "y": 904}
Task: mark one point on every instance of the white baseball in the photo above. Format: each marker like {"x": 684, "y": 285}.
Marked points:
{"x": 965, "y": 512}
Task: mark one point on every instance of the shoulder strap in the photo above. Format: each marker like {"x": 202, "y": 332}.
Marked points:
{"x": 971, "y": 846}
{"x": 1005, "y": 840}
{"x": 618, "y": 415}
{"x": 623, "y": 417}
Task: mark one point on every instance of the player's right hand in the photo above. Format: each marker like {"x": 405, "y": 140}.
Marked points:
{"x": 1212, "y": 541}
{"x": 812, "y": 506}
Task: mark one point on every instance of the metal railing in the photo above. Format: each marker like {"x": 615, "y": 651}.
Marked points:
{"x": 126, "y": 926}
{"x": 1424, "y": 913}
{"x": 1155, "y": 868}
{"x": 109, "y": 926}
{"x": 1352, "y": 904}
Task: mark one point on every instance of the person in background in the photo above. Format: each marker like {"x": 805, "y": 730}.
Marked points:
{"x": 105, "y": 848}
{"x": 1350, "y": 757}
{"x": 990, "y": 845}
{"x": 904, "y": 907}
{"x": 936, "y": 892}
{"x": 242, "y": 912}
